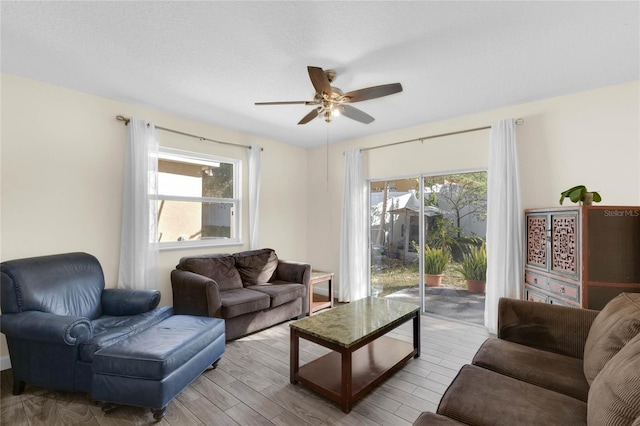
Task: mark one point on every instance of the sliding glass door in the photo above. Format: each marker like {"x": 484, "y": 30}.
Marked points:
{"x": 394, "y": 238}
{"x": 424, "y": 231}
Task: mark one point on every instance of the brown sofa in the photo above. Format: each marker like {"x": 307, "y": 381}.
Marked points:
{"x": 551, "y": 365}
{"x": 250, "y": 290}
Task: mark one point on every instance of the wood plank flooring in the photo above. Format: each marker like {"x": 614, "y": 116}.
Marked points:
{"x": 251, "y": 387}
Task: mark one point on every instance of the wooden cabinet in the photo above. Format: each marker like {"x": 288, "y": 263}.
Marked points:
{"x": 581, "y": 256}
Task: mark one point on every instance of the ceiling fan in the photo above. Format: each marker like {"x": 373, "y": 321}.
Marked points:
{"x": 330, "y": 101}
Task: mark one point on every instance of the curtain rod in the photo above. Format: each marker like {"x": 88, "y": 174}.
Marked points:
{"x": 519, "y": 122}
{"x": 126, "y": 122}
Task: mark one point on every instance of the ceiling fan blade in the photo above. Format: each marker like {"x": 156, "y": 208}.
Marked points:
{"x": 313, "y": 114}
{"x": 373, "y": 92}
{"x": 319, "y": 80}
{"x": 355, "y": 114}
{"x": 286, "y": 103}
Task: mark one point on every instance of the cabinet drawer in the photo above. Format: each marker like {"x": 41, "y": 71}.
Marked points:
{"x": 534, "y": 296}
{"x": 565, "y": 290}
{"x": 555, "y": 301}
{"x": 536, "y": 280}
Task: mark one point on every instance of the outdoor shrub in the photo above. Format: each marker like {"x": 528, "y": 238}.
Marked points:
{"x": 474, "y": 264}
{"x": 435, "y": 260}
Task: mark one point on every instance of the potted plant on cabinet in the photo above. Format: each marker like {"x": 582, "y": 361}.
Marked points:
{"x": 580, "y": 194}
{"x": 435, "y": 262}
{"x": 474, "y": 268}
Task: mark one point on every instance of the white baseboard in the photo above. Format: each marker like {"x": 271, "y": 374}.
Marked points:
{"x": 322, "y": 291}
{"x": 5, "y": 363}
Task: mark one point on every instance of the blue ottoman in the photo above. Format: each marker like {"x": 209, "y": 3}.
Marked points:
{"x": 150, "y": 368}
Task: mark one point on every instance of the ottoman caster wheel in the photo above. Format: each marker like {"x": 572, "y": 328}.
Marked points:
{"x": 159, "y": 414}
{"x": 18, "y": 386}
{"x": 108, "y": 407}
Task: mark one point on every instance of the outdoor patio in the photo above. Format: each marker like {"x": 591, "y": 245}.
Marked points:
{"x": 449, "y": 302}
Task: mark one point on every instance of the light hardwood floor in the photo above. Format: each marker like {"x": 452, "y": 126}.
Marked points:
{"x": 251, "y": 387}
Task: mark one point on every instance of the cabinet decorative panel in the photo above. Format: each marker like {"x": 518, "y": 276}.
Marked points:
{"x": 537, "y": 240}
{"x": 581, "y": 256}
{"x": 564, "y": 243}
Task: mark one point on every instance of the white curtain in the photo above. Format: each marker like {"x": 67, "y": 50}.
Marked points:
{"x": 139, "y": 246}
{"x": 353, "y": 242}
{"x": 254, "y": 196}
{"x": 504, "y": 221}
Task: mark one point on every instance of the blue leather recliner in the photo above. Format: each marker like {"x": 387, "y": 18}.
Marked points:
{"x": 56, "y": 314}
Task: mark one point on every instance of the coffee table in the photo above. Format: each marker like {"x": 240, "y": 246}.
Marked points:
{"x": 362, "y": 356}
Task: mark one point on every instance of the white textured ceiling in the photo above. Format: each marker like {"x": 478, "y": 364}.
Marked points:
{"x": 210, "y": 61}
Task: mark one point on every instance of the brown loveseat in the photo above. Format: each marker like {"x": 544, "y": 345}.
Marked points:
{"x": 551, "y": 365}
{"x": 250, "y": 290}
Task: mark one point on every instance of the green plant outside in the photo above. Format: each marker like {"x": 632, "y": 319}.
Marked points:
{"x": 474, "y": 264}
{"x": 435, "y": 260}
{"x": 443, "y": 235}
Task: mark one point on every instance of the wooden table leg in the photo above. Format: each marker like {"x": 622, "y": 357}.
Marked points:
{"x": 346, "y": 381}
{"x": 416, "y": 334}
{"x": 294, "y": 361}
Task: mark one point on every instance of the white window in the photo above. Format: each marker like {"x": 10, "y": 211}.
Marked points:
{"x": 198, "y": 199}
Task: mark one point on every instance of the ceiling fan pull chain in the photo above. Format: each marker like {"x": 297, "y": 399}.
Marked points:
{"x": 327, "y": 153}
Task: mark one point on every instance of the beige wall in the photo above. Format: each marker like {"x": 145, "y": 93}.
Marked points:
{"x": 62, "y": 169}
{"x": 62, "y": 178}
{"x": 590, "y": 138}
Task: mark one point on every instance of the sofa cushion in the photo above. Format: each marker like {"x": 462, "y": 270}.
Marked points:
{"x": 614, "y": 326}
{"x": 220, "y": 268}
{"x": 561, "y": 373}
{"x": 281, "y": 293}
{"x": 614, "y": 397}
{"x": 478, "y": 396}
{"x": 256, "y": 267}
{"x": 108, "y": 330}
{"x": 242, "y": 301}
{"x": 432, "y": 419}
{"x": 158, "y": 351}
{"x": 63, "y": 284}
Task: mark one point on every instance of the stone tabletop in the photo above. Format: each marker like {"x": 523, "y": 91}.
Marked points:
{"x": 348, "y": 324}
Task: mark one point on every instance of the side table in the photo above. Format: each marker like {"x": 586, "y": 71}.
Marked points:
{"x": 316, "y": 304}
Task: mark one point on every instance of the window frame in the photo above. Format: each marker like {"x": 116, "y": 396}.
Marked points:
{"x": 190, "y": 157}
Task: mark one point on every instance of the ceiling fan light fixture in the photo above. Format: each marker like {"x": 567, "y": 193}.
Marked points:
{"x": 331, "y": 101}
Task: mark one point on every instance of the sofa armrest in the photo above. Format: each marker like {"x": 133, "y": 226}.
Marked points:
{"x": 195, "y": 294}
{"x": 46, "y": 327}
{"x": 552, "y": 328}
{"x": 121, "y": 301}
{"x": 295, "y": 272}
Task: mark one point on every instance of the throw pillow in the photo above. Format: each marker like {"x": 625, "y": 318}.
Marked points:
{"x": 614, "y": 326}
{"x": 614, "y": 397}
{"x": 256, "y": 267}
{"x": 220, "y": 268}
